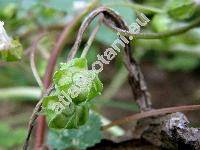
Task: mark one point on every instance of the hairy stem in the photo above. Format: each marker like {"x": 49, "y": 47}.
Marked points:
{"x": 160, "y": 35}
{"x": 32, "y": 60}
{"x": 91, "y": 39}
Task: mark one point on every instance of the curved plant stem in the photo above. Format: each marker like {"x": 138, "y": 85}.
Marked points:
{"x": 136, "y": 79}
{"x": 137, "y": 7}
{"x": 32, "y": 60}
{"x": 160, "y": 35}
{"x": 151, "y": 113}
{"x": 34, "y": 117}
{"x": 64, "y": 37}
{"x": 89, "y": 43}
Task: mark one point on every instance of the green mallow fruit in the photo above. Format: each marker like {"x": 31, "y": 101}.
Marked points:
{"x": 67, "y": 106}
{"x": 76, "y": 82}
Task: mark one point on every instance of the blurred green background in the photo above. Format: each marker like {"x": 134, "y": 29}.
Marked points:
{"x": 171, "y": 65}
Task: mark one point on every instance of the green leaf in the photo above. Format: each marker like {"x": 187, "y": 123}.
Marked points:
{"x": 80, "y": 63}
{"x": 181, "y": 9}
{"x": 82, "y": 138}
{"x": 14, "y": 53}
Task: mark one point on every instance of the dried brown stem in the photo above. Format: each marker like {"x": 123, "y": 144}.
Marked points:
{"x": 136, "y": 79}
{"x": 151, "y": 113}
{"x": 90, "y": 40}
{"x": 34, "y": 117}
{"x": 36, "y": 75}
{"x": 159, "y": 35}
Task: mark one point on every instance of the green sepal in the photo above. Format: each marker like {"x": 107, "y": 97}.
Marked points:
{"x": 69, "y": 117}
{"x": 79, "y": 117}
{"x": 76, "y": 63}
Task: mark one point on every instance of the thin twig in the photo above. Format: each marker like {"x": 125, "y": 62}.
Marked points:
{"x": 34, "y": 117}
{"x": 32, "y": 60}
{"x": 160, "y": 35}
{"x": 89, "y": 42}
{"x": 151, "y": 113}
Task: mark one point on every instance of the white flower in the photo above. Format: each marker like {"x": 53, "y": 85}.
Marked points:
{"x": 5, "y": 40}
